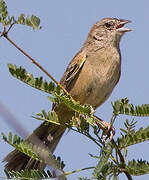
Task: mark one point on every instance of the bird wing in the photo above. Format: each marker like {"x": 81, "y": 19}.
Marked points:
{"x": 73, "y": 70}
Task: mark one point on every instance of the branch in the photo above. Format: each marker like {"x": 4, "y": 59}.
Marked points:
{"x": 35, "y": 62}
{"x": 121, "y": 160}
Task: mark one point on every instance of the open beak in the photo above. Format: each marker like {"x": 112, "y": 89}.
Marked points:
{"x": 120, "y": 27}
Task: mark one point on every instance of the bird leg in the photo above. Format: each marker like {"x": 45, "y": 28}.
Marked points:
{"x": 108, "y": 129}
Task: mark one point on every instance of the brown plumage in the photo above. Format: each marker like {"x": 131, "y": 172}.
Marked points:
{"x": 90, "y": 78}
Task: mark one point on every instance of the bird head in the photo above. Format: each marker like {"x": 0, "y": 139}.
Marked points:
{"x": 109, "y": 30}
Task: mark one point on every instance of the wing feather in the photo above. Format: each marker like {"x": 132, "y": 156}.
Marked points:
{"x": 73, "y": 69}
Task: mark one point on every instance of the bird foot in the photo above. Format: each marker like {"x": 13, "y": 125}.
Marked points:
{"x": 108, "y": 129}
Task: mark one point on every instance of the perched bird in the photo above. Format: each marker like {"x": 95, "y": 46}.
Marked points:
{"x": 90, "y": 78}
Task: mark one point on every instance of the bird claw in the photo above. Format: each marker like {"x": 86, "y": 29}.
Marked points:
{"x": 92, "y": 110}
{"x": 108, "y": 129}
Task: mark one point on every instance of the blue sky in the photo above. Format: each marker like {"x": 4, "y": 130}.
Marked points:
{"x": 65, "y": 25}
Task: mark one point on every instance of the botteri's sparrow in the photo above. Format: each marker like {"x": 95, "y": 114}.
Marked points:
{"x": 90, "y": 78}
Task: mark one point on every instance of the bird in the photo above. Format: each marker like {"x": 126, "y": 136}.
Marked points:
{"x": 89, "y": 78}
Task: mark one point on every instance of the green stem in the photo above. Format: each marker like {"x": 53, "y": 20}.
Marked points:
{"x": 35, "y": 62}
{"x": 114, "y": 116}
{"x": 123, "y": 165}
{"x": 77, "y": 170}
{"x": 89, "y": 136}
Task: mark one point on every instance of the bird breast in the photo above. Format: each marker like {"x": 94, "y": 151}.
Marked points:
{"x": 98, "y": 77}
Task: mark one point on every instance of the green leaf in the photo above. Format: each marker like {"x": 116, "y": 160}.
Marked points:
{"x": 133, "y": 138}
{"x": 29, "y": 174}
{"x": 40, "y": 152}
{"x": 76, "y": 106}
{"x": 51, "y": 99}
{"x": 4, "y": 136}
{"x": 21, "y": 19}
{"x": 122, "y": 107}
{"x": 38, "y": 83}
{"x": 35, "y": 22}
{"x": 5, "y": 19}
{"x": 90, "y": 120}
{"x": 83, "y": 178}
{"x": 59, "y": 96}
{"x": 10, "y": 137}
{"x": 3, "y": 10}
{"x": 50, "y": 117}
{"x": 138, "y": 168}
{"x": 20, "y": 145}
{"x": 103, "y": 164}
{"x": 61, "y": 162}
{"x": 32, "y": 21}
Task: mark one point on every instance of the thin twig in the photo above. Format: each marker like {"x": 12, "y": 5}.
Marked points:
{"x": 89, "y": 136}
{"x": 36, "y": 63}
{"x": 11, "y": 25}
{"x": 121, "y": 160}
{"x": 78, "y": 170}
{"x": 99, "y": 138}
{"x": 113, "y": 159}
{"x": 114, "y": 116}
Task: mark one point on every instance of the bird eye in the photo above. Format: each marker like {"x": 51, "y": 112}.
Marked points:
{"x": 108, "y": 25}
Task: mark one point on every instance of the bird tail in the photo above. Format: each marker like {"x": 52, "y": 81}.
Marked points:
{"x": 44, "y": 136}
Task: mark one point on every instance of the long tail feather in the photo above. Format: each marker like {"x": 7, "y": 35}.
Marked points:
{"x": 48, "y": 136}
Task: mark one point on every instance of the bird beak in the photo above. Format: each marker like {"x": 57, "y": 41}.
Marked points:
{"x": 120, "y": 27}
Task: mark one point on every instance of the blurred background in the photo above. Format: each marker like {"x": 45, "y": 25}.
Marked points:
{"x": 65, "y": 25}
